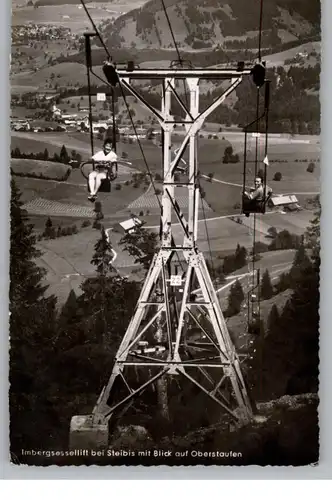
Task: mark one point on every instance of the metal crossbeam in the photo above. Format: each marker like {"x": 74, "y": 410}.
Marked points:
{"x": 157, "y": 74}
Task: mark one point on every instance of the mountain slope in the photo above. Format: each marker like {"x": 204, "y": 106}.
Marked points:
{"x": 210, "y": 23}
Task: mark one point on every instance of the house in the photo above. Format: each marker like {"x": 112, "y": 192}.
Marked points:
{"x": 69, "y": 117}
{"x": 127, "y": 226}
{"x": 287, "y": 202}
{"x": 99, "y": 125}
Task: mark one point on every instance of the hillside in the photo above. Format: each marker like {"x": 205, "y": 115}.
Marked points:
{"x": 199, "y": 24}
{"x": 40, "y": 3}
{"x": 39, "y": 168}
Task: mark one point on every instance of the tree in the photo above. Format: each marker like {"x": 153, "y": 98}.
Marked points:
{"x": 103, "y": 256}
{"x": 290, "y": 361}
{"x": 149, "y": 133}
{"x": 312, "y": 234}
{"x": 283, "y": 282}
{"x": 273, "y": 320}
{"x": 311, "y": 167}
{"x": 108, "y": 300}
{"x": 70, "y": 332}
{"x": 277, "y": 176}
{"x": 141, "y": 244}
{"x": 266, "y": 288}
{"x": 210, "y": 176}
{"x": 46, "y": 155}
{"x": 98, "y": 211}
{"x": 64, "y": 157}
{"x": 240, "y": 256}
{"x": 300, "y": 264}
{"x": 272, "y": 232}
{"x": 228, "y": 153}
{"x": 235, "y": 299}
{"x": 49, "y": 231}
{"x": 32, "y": 320}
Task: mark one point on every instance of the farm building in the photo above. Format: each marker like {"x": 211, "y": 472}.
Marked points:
{"x": 127, "y": 226}
{"x": 285, "y": 202}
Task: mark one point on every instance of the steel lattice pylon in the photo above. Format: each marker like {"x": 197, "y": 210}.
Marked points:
{"x": 159, "y": 340}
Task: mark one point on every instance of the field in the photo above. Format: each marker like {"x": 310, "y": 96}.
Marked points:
{"x": 68, "y": 259}
{"x": 26, "y": 58}
{"x": 225, "y": 190}
{"x": 66, "y": 74}
{"x": 280, "y": 58}
{"x": 73, "y": 16}
{"x": 37, "y": 168}
{"x": 31, "y": 142}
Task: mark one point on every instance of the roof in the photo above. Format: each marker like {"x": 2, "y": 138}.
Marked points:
{"x": 130, "y": 223}
{"x": 284, "y": 199}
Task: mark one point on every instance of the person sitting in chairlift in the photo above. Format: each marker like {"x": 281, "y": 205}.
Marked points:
{"x": 105, "y": 160}
{"x": 256, "y": 194}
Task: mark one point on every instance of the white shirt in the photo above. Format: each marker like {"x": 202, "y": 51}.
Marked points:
{"x": 110, "y": 157}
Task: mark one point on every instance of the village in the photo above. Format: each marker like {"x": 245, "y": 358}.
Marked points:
{"x": 54, "y": 119}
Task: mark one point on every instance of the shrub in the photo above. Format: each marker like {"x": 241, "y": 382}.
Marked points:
{"x": 272, "y": 232}
{"x": 141, "y": 213}
{"x": 277, "y": 176}
{"x": 311, "y": 167}
{"x": 86, "y": 223}
{"x": 118, "y": 187}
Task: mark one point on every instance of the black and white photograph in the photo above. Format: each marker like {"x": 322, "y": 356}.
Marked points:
{"x": 164, "y": 232}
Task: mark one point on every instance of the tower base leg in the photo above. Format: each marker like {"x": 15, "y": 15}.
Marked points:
{"x": 86, "y": 433}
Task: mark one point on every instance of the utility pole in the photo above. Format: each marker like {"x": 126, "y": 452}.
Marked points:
{"x": 210, "y": 362}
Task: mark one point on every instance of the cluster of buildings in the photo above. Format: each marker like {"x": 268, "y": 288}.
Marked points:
{"x": 80, "y": 120}
{"x": 31, "y": 125}
{"x": 37, "y": 32}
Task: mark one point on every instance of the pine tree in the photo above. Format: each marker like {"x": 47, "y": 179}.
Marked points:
{"x": 273, "y": 320}
{"x": 46, "y": 155}
{"x": 49, "y": 231}
{"x": 32, "y": 323}
{"x": 96, "y": 288}
{"x": 25, "y": 276}
{"x": 266, "y": 288}
{"x": 235, "y": 299}
{"x": 240, "y": 256}
{"x": 70, "y": 331}
{"x": 289, "y": 364}
{"x": 103, "y": 256}
{"x": 69, "y": 309}
{"x": 312, "y": 234}
{"x": 301, "y": 263}
{"x": 283, "y": 282}
{"x": 142, "y": 245}
{"x": 64, "y": 157}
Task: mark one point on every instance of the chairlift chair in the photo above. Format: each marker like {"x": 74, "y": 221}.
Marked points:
{"x": 254, "y": 206}
{"x": 112, "y": 173}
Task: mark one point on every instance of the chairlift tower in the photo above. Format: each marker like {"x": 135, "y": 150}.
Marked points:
{"x": 146, "y": 354}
